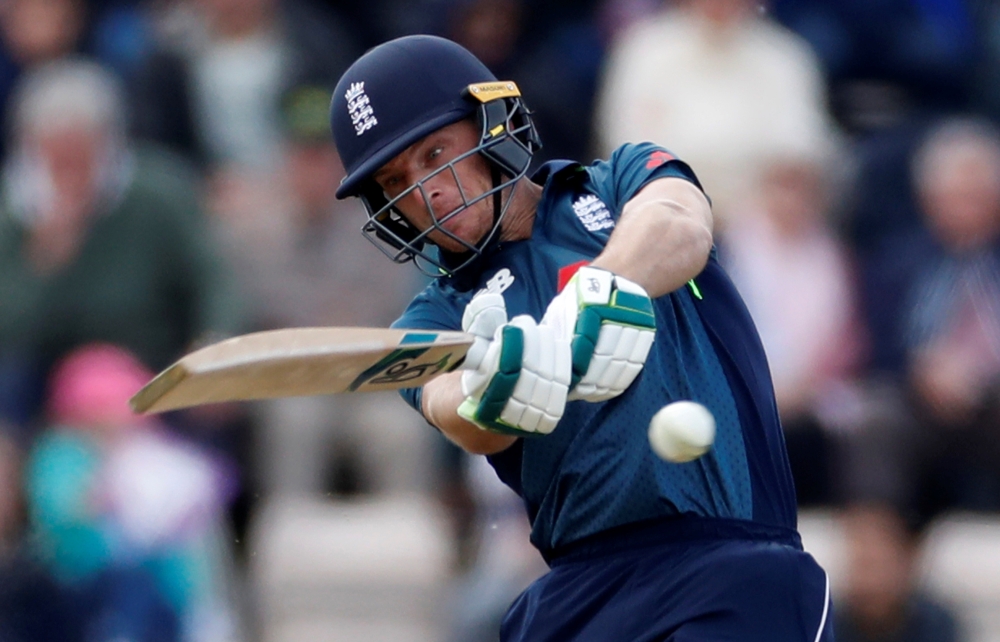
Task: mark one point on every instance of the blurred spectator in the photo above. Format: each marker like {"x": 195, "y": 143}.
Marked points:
{"x": 379, "y": 20}
{"x": 33, "y": 608}
{"x": 957, "y": 172}
{"x": 555, "y": 61}
{"x": 881, "y": 218}
{"x": 986, "y": 72}
{"x": 616, "y": 16}
{"x": 99, "y": 239}
{"x": 302, "y": 262}
{"x": 211, "y": 88}
{"x": 953, "y": 317}
{"x": 719, "y": 85}
{"x": 35, "y": 32}
{"x": 881, "y": 601}
{"x": 123, "y": 515}
{"x": 11, "y": 502}
{"x": 491, "y": 29}
{"x": 891, "y": 60}
{"x": 930, "y": 435}
{"x": 796, "y": 278}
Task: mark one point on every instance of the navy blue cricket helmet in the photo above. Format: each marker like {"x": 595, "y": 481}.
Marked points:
{"x": 401, "y": 91}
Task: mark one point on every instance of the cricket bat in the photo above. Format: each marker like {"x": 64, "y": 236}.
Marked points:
{"x": 303, "y": 361}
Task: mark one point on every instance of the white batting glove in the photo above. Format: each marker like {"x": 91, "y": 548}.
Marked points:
{"x": 517, "y": 381}
{"x": 610, "y": 323}
{"x": 484, "y": 314}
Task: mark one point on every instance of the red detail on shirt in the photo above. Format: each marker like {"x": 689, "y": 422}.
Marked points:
{"x": 658, "y": 158}
{"x": 566, "y": 273}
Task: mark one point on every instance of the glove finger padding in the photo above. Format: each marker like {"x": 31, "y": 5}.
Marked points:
{"x": 521, "y": 384}
{"x": 612, "y": 326}
{"x": 483, "y": 315}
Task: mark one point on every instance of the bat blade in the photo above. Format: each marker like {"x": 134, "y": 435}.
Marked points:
{"x": 303, "y": 361}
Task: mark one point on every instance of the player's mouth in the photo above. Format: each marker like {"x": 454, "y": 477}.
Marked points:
{"x": 453, "y": 218}
{"x": 459, "y": 226}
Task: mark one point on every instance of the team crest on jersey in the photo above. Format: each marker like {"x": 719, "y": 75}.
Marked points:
{"x": 360, "y": 108}
{"x": 593, "y": 213}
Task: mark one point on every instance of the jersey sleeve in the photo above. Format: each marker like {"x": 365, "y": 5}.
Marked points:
{"x": 631, "y": 167}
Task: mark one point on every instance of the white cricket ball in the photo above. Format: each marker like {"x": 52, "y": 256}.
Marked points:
{"x": 682, "y": 431}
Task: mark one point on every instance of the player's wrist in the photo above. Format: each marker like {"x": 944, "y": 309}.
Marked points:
{"x": 470, "y": 409}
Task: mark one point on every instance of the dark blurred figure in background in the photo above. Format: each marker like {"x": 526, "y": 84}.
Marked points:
{"x": 123, "y": 515}
{"x": 100, "y": 239}
{"x": 33, "y": 607}
{"x": 953, "y": 312}
{"x": 556, "y": 61}
{"x": 35, "y": 32}
{"x": 881, "y": 601}
{"x": 551, "y": 48}
{"x": 376, "y": 21}
{"x": 893, "y": 67}
{"x": 211, "y": 87}
{"x": 930, "y": 438}
{"x": 891, "y": 60}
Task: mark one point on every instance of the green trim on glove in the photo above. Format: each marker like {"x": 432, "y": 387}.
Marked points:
{"x": 633, "y": 302}
{"x": 592, "y": 317}
{"x": 485, "y": 412}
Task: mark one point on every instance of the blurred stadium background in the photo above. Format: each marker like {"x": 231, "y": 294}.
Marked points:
{"x": 167, "y": 180}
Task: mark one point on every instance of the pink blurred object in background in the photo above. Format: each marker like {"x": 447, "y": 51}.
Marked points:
{"x": 158, "y": 486}
{"x": 92, "y": 386}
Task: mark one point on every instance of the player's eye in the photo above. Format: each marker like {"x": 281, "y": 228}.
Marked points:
{"x": 391, "y": 185}
{"x": 434, "y": 152}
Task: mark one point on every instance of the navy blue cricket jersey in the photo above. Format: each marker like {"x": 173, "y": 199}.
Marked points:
{"x": 596, "y": 470}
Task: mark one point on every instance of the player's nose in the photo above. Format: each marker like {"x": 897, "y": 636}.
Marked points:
{"x": 440, "y": 191}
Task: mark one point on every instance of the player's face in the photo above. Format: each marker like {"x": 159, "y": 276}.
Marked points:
{"x": 442, "y": 198}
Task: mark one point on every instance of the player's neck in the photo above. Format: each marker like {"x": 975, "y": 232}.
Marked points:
{"x": 520, "y": 218}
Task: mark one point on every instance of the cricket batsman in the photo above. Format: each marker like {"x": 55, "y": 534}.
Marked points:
{"x": 596, "y": 299}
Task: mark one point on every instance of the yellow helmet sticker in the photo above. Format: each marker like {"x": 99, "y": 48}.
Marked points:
{"x": 487, "y": 91}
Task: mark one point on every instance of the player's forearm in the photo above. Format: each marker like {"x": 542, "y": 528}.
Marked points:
{"x": 663, "y": 237}
{"x": 440, "y": 401}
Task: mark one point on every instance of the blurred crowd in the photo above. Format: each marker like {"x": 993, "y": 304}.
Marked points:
{"x": 167, "y": 180}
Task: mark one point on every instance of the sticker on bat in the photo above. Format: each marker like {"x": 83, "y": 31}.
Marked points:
{"x": 401, "y": 366}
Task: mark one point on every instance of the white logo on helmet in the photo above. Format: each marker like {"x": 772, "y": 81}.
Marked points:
{"x": 360, "y": 108}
